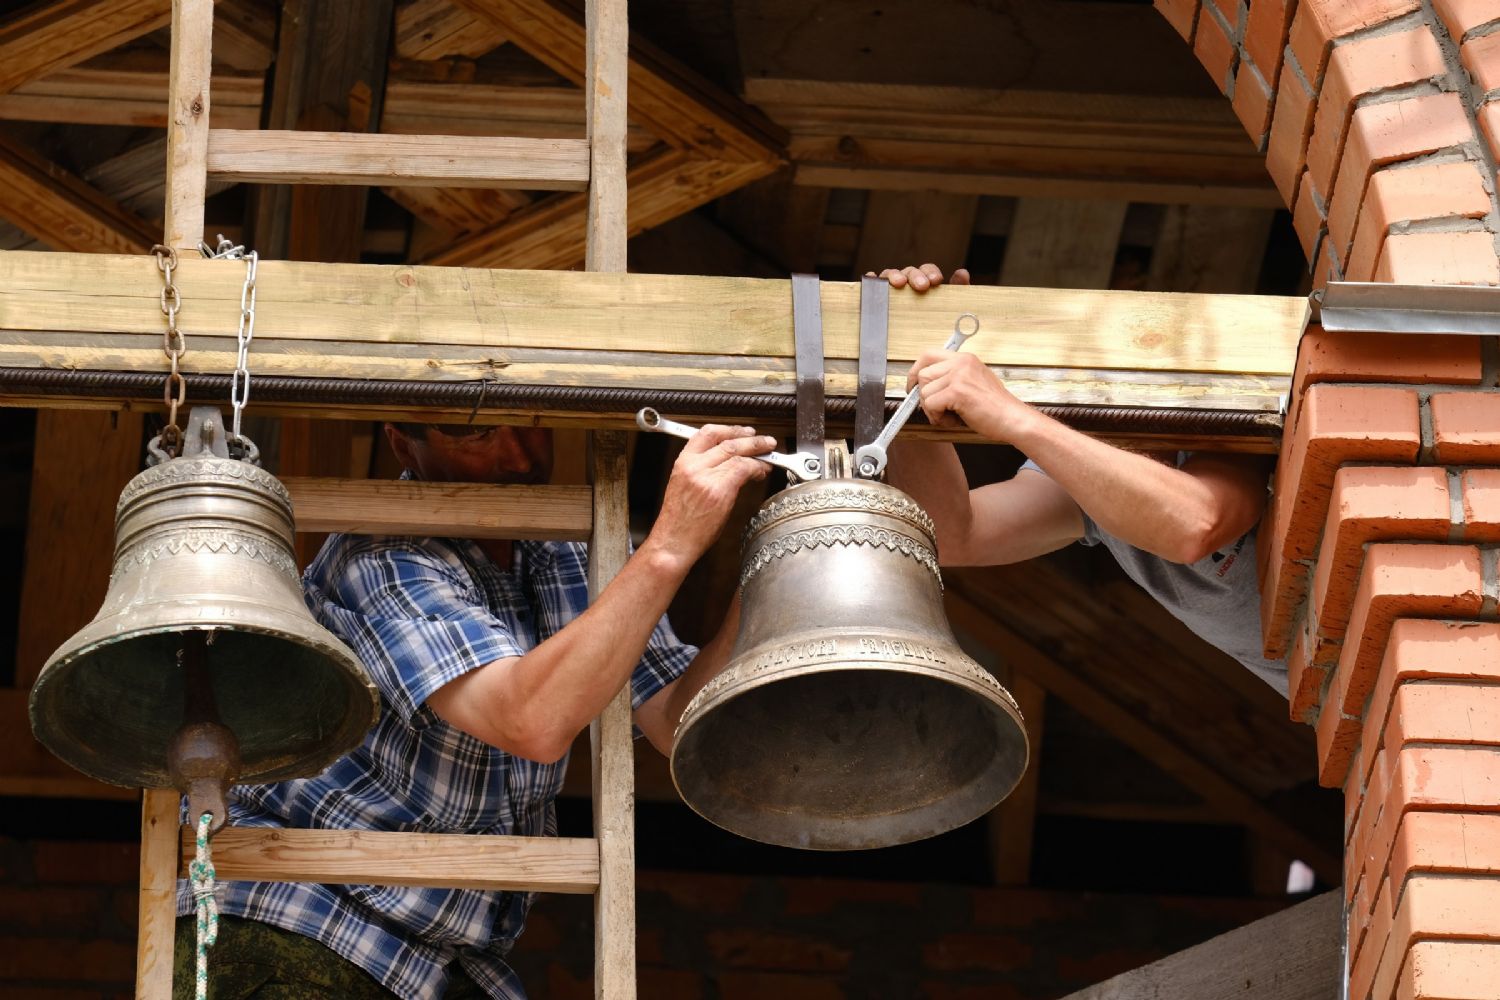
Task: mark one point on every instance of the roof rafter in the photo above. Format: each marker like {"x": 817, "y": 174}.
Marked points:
{"x": 61, "y": 210}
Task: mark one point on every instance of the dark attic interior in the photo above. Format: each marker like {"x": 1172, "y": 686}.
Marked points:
{"x": 1057, "y": 144}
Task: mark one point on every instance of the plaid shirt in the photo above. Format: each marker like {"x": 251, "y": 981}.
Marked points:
{"x": 420, "y": 612}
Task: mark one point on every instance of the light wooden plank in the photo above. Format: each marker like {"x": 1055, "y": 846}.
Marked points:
{"x": 187, "y": 124}
{"x": 1292, "y": 955}
{"x": 428, "y": 107}
{"x": 447, "y": 510}
{"x": 307, "y": 157}
{"x": 82, "y": 462}
{"x": 1182, "y": 763}
{"x": 434, "y": 860}
{"x": 103, "y": 93}
{"x": 1209, "y": 248}
{"x": 1062, "y": 244}
{"x": 52, "y": 36}
{"x": 911, "y": 227}
{"x": 45, "y": 201}
{"x": 606, "y": 90}
{"x": 452, "y": 212}
{"x": 156, "y": 936}
{"x": 611, "y": 738}
{"x": 497, "y": 311}
{"x": 669, "y": 99}
{"x": 432, "y": 29}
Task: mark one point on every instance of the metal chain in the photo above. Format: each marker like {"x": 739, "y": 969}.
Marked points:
{"x": 174, "y": 393}
{"x": 239, "y": 385}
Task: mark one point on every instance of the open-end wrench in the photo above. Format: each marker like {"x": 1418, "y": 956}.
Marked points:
{"x": 870, "y": 460}
{"x": 799, "y": 464}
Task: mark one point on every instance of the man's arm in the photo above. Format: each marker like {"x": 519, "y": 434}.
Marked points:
{"x": 1007, "y": 522}
{"x": 658, "y": 715}
{"x": 534, "y": 705}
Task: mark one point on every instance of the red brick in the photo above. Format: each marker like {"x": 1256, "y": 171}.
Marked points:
{"x": 1356, "y": 70}
{"x": 1385, "y": 133}
{"x": 1450, "y": 970}
{"x": 1180, "y": 15}
{"x": 1252, "y": 103}
{"x": 1328, "y": 266}
{"x": 1333, "y": 425}
{"x": 986, "y": 952}
{"x": 1481, "y": 57}
{"x": 80, "y": 863}
{"x": 1439, "y": 259}
{"x": 1402, "y": 580}
{"x": 1231, "y": 12}
{"x": 1286, "y": 147}
{"x": 759, "y": 985}
{"x": 744, "y": 947}
{"x": 1324, "y": 356}
{"x": 1310, "y": 217}
{"x": 1370, "y": 504}
{"x": 1338, "y": 741}
{"x": 1433, "y": 907}
{"x": 1373, "y": 950}
{"x": 1450, "y": 843}
{"x": 1433, "y": 712}
{"x": 1305, "y": 679}
{"x": 1406, "y": 194}
{"x": 1463, "y": 16}
{"x": 1489, "y": 124}
{"x": 1419, "y": 650}
{"x": 1214, "y": 49}
{"x": 1265, "y": 35}
{"x": 1318, "y": 22}
{"x": 679, "y": 984}
{"x": 1466, "y": 427}
{"x": 1481, "y": 489}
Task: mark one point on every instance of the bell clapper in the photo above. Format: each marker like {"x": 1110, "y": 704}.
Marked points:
{"x": 203, "y": 757}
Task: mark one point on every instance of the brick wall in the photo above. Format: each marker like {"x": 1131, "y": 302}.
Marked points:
{"x": 1379, "y": 121}
{"x": 67, "y": 932}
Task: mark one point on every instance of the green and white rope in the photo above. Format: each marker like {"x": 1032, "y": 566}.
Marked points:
{"x": 201, "y": 875}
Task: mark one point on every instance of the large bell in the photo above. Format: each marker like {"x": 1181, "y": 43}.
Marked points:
{"x": 203, "y": 629}
{"x": 847, "y": 716}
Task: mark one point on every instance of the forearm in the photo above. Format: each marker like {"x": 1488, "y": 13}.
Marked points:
{"x": 659, "y": 716}
{"x": 534, "y": 705}
{"x": 1151, "y": 505}
{"x": 930, "y": 473}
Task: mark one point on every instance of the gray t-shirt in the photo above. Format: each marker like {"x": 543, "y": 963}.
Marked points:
{"x": 1217, "y": 597}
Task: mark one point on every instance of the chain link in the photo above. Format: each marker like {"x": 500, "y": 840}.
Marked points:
{"x": 174, "y": 392}
{"x": 239, "y": 385}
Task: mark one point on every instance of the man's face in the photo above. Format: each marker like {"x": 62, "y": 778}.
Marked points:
{"x": 493, "y": 454}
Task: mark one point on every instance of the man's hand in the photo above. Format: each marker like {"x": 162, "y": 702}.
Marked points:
{"x": 958, "y": 389}
{"x": 706, "y": 479}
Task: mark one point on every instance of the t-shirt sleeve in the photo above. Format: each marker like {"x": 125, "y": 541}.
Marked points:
{"x": 414, "y": 620}
{"x": 1090, "y": 534}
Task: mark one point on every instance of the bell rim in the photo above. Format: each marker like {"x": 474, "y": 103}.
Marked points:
{"x": 349, "y": 667}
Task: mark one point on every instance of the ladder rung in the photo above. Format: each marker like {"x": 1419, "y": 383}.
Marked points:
{"x": 291, "y": 157}
{"x": 366, "y": 857}
{"x": 443, "y": 510}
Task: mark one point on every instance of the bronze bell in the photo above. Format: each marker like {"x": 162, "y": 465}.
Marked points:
{"x": 203, "y": 667}
{"x": 847, "y": 716}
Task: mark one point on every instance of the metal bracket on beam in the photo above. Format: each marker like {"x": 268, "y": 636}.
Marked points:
{"x": 1377, "y": 307}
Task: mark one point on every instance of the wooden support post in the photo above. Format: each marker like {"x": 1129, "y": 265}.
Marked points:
{"x": 187, "y": 122}
{"x": 160, "y": 814}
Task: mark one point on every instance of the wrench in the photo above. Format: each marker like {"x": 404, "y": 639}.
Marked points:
{"x": 871, "y": 459}
{"x": 799, "y": 464}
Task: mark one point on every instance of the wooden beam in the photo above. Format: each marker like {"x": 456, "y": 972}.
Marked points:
{"x": 1062, "y": 244}
{"x": 666, "y": 97}
{"x": 430, "y": 860}
{"x": 82, "y": 462}
{"x": 53, "y": 36}
{"x": 187, "y": 122}
{"x": 968, "y": 140}
{"x": 550, "y": 233}
{"x": 426, "y": 107}
{"x": 1209, "y": 248}
{"x": 268, "y": 156}
{"x": 244, "y": 35}
{"x": 448, "y": 510}
{"x": 43, "y": 199}
{"x": 433, "y": 29}
{"x": 125, "y": 93}
{"x": 1183, "y": 763}
{"x": 157, "y": 905}
{"x": 1292, "y": 955}
{"x": 910, "y": 227}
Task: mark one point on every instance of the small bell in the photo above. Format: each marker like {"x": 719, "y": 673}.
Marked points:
{"x": 204, "y": 667}
{"x": 847, "y": 716}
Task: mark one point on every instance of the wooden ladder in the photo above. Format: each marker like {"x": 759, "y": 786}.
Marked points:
{"x": 603, "y": 865}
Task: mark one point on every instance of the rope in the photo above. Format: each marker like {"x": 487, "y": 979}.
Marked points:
{"x": 201, "y": 875}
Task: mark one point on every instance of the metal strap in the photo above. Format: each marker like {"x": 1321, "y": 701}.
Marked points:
{"x": 869, "y": 402}
{"x": 807, "y": 331}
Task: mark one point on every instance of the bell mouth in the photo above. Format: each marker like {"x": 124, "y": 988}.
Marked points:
{"x": 110, "y": 705}
{"x": 849, "y": 756}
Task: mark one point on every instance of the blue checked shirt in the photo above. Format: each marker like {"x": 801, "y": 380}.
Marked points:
{"x": 420, "y": 612}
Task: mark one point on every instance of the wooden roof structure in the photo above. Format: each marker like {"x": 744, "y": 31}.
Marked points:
{"x": 767, "y": 136}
